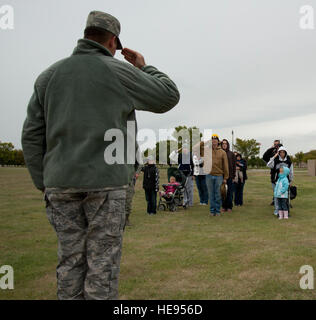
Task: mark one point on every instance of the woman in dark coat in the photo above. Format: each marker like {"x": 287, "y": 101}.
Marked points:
{"x": 240, "y": 180}
{"x": 228, "y": 203}
{"x": 151, "y": 185}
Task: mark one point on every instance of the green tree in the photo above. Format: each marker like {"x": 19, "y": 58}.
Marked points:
{"x": 18, "y": 158}
{"x": 247, "y": 148}
{"x": 6, "y": 155}
{"x": 167, "y": 146}
{"x": 192, "y": 135}
{"x": 10, "y": 156}
{"x": 256, "y": 162}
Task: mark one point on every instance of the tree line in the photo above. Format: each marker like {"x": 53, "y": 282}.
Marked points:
{"x": 9, "y": 156}
{"x": 250, "y": 150}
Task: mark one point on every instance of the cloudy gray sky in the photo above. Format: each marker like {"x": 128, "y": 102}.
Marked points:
{"x": 242, "y": 65}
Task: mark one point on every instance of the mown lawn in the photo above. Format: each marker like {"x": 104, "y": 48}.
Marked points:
{"x": 247, "y": 254}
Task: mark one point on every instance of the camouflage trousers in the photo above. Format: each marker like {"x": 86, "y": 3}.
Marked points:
{"x": 89, "y": 228}
{"x": 129, "y": 199}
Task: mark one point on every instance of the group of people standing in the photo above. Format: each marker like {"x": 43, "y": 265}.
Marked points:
{"x": 282, "y": 174}
{"x": 225, "y": 168}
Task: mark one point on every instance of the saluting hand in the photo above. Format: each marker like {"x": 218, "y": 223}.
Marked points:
{"x": 133, "y": 57}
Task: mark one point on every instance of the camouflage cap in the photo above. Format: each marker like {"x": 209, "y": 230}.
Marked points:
{"x": 107, "y": 22}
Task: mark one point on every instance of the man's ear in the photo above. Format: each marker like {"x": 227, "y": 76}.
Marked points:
{"x": 113, "y": 42}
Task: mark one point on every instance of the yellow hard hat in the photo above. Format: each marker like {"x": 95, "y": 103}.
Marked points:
{"x": 215, "y": 136}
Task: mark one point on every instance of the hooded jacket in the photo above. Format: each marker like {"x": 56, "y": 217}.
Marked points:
{"x": 268, "y": 155}
{"x": 282, "y": 185}
{"x": 75, "y": 102}
{"x": 231, "y": 161}
{"x": 276, "y": 163}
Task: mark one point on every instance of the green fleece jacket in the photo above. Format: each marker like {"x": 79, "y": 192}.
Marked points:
{"x": 75, "y": 101}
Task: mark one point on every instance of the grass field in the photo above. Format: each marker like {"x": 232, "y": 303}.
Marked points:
{"x": 246, "y": 254}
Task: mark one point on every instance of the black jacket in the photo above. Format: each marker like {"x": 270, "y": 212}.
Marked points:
{"x": 268, "y": 155}
{"x": 151, "y": 177}
{"x": 186, "y": 165}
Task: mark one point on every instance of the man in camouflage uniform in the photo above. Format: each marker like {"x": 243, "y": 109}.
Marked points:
{"x": 75, "y": 102}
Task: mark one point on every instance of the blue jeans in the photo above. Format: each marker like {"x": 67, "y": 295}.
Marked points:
{"x": 214, "y": 188}
{"x": 202, "y": 188}
{"x": 282, "y": 204}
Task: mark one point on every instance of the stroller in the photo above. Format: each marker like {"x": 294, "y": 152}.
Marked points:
{"x": 176, "y": 199}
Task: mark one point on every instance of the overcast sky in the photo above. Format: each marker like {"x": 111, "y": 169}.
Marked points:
{"x": 242, "y": 65}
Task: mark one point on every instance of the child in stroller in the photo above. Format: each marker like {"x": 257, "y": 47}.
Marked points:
{"x": 170, "y": 188}
{"x": 172, "y": 196}
{"x": 167, "y": 197}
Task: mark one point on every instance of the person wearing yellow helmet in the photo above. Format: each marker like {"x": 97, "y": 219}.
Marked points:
{"x": 217, "y": 176}
{"x": 215, "y": 136}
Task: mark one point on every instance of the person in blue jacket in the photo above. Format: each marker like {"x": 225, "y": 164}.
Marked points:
{"x": 281, "y": 193}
